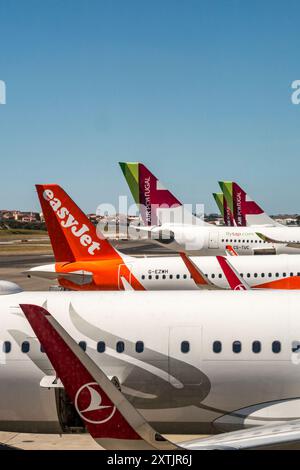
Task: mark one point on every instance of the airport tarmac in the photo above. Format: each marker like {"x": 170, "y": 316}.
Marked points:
{"x": 28, "y": 441}
{"x": 13, "y": 265}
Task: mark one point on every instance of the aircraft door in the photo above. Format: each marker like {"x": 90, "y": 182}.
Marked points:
{"x": 213, "y": 239}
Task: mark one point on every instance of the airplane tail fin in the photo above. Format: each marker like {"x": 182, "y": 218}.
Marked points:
{"x": 110, "y": 418}
{"x": 157, "y": 204}
{"x": 246, "y": 212}
{"x": 219, "y": 199}
{"x": 72, "y": 234}
{"x": 224, "y": 209}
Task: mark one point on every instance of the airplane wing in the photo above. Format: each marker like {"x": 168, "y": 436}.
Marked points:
{"x": 272, "y": 240}
{"x": 281, "y": 436}
{"x": 112, "y": 420}
{"x": 234, "y": 278}
{"x": 197, "y": 275}
{"x": 78, "y": 277}
{"x": 156, "y": 233}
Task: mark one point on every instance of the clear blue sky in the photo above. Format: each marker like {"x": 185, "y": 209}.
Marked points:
{"x": 198, "y": 90}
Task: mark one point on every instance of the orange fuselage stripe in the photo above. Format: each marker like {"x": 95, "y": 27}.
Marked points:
{"x": 106, "y": 275}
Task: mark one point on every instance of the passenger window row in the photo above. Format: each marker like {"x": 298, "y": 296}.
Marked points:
{"x": 101, "y": 346}
{"x": 213, "y": 275}
{"x": 231, "y": 240}
{"x": 164, "y": 276}
{"x": 235, "y": 240}
{"x": 184, "y": 346}
{"x": 256, "y": 346}
{"x": 219, "y": 275}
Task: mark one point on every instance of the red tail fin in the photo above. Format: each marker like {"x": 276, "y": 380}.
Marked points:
{"x": 111, "y": 420}
{"x": 72, "y": 234}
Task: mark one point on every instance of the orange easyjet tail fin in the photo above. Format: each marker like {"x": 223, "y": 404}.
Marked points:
{"x": 72, "y": 234}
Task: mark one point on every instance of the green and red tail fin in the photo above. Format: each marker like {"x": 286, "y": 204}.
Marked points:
{"x": 224, "y": 209}
{"x": 219, "y": 199}
{"x": 109, "y": 417}
{"x": 72, "y": 234}
{"x": 156, "y": 203}
{"x": 246, "y": 212}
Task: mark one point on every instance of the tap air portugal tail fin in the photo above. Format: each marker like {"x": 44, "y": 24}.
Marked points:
{"x": 246, "y": 212}
{"x": 72, "y": 234}
{"x": 156, "y": 203}
{"x": 113, "y": 421}
{"x": 235, "y": 280}
{"x": 109, "y": 417}
{"x": 219, "y": 199}
{"x": 224, "y": 209}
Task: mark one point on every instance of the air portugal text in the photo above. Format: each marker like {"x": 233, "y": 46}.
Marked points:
{"x": 68, "y": 221}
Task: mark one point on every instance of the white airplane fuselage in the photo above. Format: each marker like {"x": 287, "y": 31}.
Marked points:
{"x": 171, "y": 273}
{"x": 198, "y": 362}
{"x": 208, "y": 240}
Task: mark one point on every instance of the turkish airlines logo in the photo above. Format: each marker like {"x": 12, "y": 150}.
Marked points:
{"x": 239, "y": 287}
{"x": 90, "y": 405}
{"x": 67, "y": 220}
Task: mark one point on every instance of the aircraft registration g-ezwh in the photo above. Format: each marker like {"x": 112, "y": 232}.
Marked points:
{"x": 171, "y": 225}
{"x": 85, "y": 260}
{"x": 201, "y": 361}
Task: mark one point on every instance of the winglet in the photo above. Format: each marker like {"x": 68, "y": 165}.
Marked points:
{"x": 197, "y": 275}
{"x": 235, "y": 281}
{"x": 266, "y": 239}
{"x": 109, "y": 417}
{"x": 230, "y": 251}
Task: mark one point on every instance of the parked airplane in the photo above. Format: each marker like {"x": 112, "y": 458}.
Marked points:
{"x": 201, "y": 361}
{"x": 244, "y": 210}
{"x": 86, "y": 262}
{"x": 171, "y": 225}
{"x": 111, "y": 419}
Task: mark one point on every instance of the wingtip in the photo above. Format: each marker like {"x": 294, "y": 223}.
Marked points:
{"x": 32, "y": 308}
